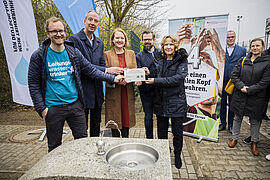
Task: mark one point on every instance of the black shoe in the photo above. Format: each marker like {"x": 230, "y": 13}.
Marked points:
{"x": 266, "y": 118}
{"x": 247, "y": 140}
{"x": 221, "y": 127}
{"x": 178, "y": 161}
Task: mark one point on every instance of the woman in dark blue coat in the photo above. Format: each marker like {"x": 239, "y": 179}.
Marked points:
{"x": 250, "y": 92}
{"x": 169, "y": 74}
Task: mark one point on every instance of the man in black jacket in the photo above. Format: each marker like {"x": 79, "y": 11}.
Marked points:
{"x": 92, "y": 49}
{"x": 145, "y": 59}
{"x": 55, "y": 84}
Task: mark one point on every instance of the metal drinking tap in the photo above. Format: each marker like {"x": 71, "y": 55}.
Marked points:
{"x": 100, "y": 143}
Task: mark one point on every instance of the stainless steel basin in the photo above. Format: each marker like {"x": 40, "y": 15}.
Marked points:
{"x": 132, "y": 156}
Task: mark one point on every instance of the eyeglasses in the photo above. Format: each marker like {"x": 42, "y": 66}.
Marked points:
{"x": 55, "y": 32}
{"x": 147, "y": 40}
{"x": 230, "y": 37}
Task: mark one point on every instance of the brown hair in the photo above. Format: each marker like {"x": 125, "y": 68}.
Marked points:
{"x": 256, "y": 39}
{"x": 175, "y": 42}
{"x": 148, "y": 32}
{"x": 122, "y": 31}
{"x": 53, "y": 20}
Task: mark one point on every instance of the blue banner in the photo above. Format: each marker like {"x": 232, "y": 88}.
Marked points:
{"x": 74, "y": 11}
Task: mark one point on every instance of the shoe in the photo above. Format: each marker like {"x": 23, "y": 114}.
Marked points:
{"x": 247, "y": 140}
{"x": 266, "y": 118}
{"x": 232, "y": 143}
{"x": 267, "y": 157}
{"x": 178, "y": 161}
{"x": 221, "y": 127}
{"x": 254, "y": 148}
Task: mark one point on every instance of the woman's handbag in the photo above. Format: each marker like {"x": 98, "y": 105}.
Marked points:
{"x": 230, "y": 86}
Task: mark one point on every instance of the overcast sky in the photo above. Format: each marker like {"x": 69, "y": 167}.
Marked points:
{"x": 252, "y": 24}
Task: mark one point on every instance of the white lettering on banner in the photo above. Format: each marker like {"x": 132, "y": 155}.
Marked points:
{"x": 197, "y": 116}
{"x": 194, "y": 57}
{"x": 73, "y": 3}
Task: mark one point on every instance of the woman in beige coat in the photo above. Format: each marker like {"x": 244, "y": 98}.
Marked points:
{"x": 120, "y": 99}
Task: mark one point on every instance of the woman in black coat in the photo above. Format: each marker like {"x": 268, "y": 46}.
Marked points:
{"x": 170, "y": 70}
{"x": 250, "y": 92}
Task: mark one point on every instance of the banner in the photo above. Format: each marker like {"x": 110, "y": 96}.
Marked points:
{"x": 204, "y": 38}
{"x": 74, "y": 11}
{"x": 19, "y": 36}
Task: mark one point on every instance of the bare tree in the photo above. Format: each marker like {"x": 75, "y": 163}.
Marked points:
{"x": 137, "y": 15}
{"x": 130, "y": 9}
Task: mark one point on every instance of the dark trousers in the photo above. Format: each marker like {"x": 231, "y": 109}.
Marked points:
{"x": 124, "y": 132}
{"x": 223, "y": 109}
{"x": 57, "y": 115}
{"x": 265, "y": 109}
{"x": 177, "y": 130}
{"x": 148, "y": 108}
{"x": 95, "y": 120}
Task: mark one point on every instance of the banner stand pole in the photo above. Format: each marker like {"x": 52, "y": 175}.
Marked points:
{"x": 200, "y": 137}
{"x": 43, "y": 133}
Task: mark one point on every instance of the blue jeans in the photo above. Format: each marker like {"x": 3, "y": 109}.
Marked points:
{"x": 148, "y": 108}
{"x": 223, "y": 109}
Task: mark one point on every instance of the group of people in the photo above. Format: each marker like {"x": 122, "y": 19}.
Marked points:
{"x": 251, "y": 76}
{"x": 65, "y": 84}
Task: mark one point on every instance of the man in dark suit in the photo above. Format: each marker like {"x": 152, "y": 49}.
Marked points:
{"x": 145, "y": 59}
{"x": 92, "y": 49}
{"x": 233, "y": 54}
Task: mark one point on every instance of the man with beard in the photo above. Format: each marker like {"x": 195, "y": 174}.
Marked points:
{"x": 145, "y": 59}
{"x": 54, "y": 80}
{"x": 92, "y": 49}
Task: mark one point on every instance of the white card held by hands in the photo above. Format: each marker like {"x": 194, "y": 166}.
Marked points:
{"x": 132, "y": 75}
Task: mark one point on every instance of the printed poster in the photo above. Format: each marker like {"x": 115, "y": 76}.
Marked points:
{"x": 204, "y": 38}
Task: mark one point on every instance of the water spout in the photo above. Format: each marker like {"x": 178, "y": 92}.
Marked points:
{"x": 100, "y": 143}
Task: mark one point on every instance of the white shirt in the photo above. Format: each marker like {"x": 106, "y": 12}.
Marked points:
{"x": 91, "y": 40}
{"x": 230, "y": 50}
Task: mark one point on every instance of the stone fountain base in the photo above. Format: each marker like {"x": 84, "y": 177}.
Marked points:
{"x": 78, "y": 160}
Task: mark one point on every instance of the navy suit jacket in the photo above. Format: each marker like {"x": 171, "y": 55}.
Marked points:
{"x": 92, "y": 89}
{"x": 230, "y": 61}
{"x": 145, "y": 59}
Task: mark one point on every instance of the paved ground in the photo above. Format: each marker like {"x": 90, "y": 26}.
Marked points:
{"x": 204, "y": 160}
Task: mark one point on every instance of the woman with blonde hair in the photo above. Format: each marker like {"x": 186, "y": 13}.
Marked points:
{"x": 169, "y": 74}
{"x": 120, "y": 99}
